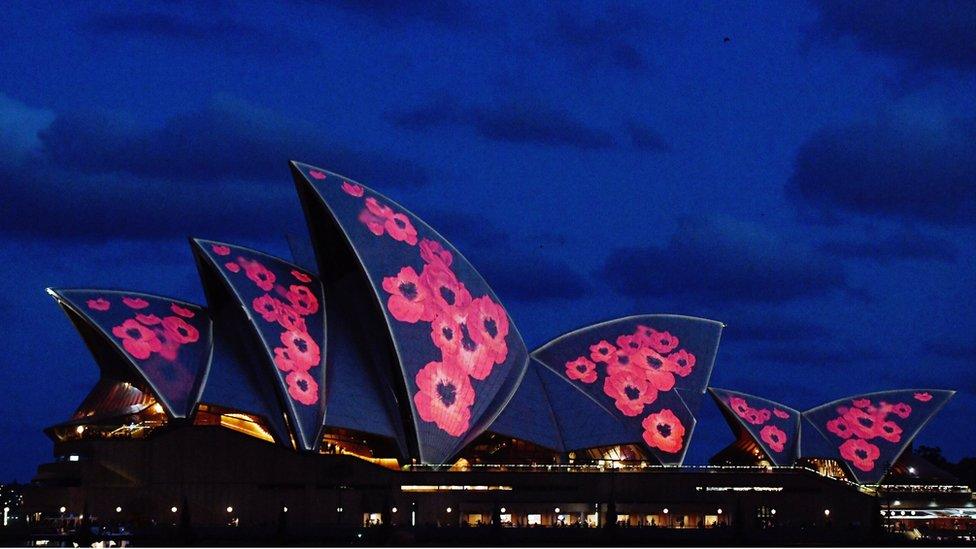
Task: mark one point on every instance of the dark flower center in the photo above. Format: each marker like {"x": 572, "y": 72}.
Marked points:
{"x": 447, "y": 295}
{"x": 408, "y": 290}
{"x": 183, "y": 331}
{"x": 665, "y": 342}
{"x": 682, "y": 362}
{"x": 632, "y": 392}
{"x": 603, "y": 350}
{"x": 269, "y": 307}
{"x": 133, "y": 333}
{"x": 623, "y": 359}
{"x": 302, "y": 384}
{"x": 448, "y": 333}
{"x": 654, "y": 362}
{"x": 664, "y": 429}
{"x": 399, "y": 223}
{"x": 491, "y": 327}
{"x": 447, "y": 393}
{"x": 861, "y": 454}
{"x": 633, "y": 345}
{"x": 466, "y": 342}
{"x": 865, "y": 421}
{"x": 300, "y": 344}
{"x": 581, "y": 368}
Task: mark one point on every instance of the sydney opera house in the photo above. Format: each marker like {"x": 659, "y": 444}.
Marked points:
{"x": 387, "y": 385}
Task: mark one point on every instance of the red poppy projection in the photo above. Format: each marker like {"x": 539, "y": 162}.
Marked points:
{"x": 286, "y": 305}
{"x": 648, "y": 371}
{"x": 870, "y": 431}
{"x": 166, "y": 342}
{"x": 459, "y": 353}
{"x": 772, "y": 426}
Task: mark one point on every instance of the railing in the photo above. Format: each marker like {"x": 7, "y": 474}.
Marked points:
{"x": 628, "y": 467}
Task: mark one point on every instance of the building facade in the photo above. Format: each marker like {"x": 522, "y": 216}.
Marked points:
{"x": 387, "y": 385}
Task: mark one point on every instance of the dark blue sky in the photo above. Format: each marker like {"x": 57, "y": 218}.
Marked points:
{"x": 802, "y": 171}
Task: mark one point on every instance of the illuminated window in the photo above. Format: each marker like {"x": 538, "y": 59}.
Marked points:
{"x": 593, "y": 520}
{"x": 534, "y": 520}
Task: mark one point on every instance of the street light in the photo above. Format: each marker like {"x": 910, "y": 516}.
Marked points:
{"x": 449, "y": 509}
{"x": 284, "y": 509}
{"x": 720, "y": 510}
{"x": 63, "y": 509}
{"x": 557, "y": 509}
{"x": 502, "y": 509}
{"x": 772, "y": 511}
{"x": 118, "y": 509}
{"x": 394, "y": 510}
{"x": 230, "y": 509}
{"x": 173, "y": 509}
{"x": 826, "y": 512}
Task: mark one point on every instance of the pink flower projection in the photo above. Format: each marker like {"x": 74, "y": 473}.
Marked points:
{"x": 755, "y": 416}
{"x": 922, "y": 397}
{"x": 581, "y": 369}
{"x": 100, "y": 304}
{"x": 664, "y": 431}
{"x": 444, "y": 397}
{"x": 860, "y": 453}
{"x": 136, "y": 303}
{"x": 774, "y": 437}
{"x": 353, "y": 189}
{"x": 636, "y": 368}
{"x": 861, "y": 423}
{"x": 772, "y": 434}
{"x": 144, "y": 335}
{"x": 469, "y": 332}
{"x": 182, "y": 311}
{"x": 380, "y": 220}
{"x": 138, "y": 340}
{"x": 220, "y": 250}
{"x": 287, "y": 308}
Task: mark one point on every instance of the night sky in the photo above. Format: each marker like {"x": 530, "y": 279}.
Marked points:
{"x": 802, "y": 171}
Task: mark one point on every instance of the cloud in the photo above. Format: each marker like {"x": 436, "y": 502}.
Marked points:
{"x": 19, "y": 125}
{"x": 218, "y": 171}
{"x": 812, "y": 355}
{"x": 512, "y": 271}
{"x": 964, "y": 351}
{"x": 771, "y": 327}
{"x": 912, "y": 167}
{"x": 226, "y": 140}
{"x": 933, "y": 34}
{"x": 646, "y": 139}
{"x": 219, "y": 32}
{"x": 903, "y": 244}
{"x": 723, "y": 260}
{"x": 512, "y": 122}
{"x": 607, "y": 40}
{"x": 391, "y": 13}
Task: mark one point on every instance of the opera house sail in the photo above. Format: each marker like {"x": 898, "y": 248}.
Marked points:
{"x": 391, "y": 365}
